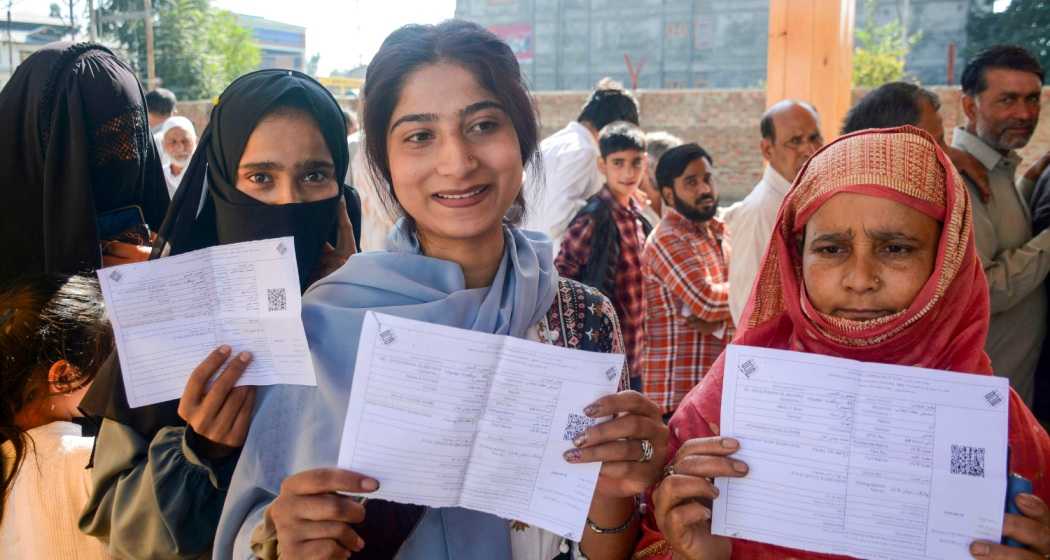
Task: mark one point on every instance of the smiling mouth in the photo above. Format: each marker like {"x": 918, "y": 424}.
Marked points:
{"x": 862, "y": 314}
{"x": 464, "y": 195}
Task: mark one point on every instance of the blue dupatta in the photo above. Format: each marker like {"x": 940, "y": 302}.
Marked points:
{"x": 298, "y": 428}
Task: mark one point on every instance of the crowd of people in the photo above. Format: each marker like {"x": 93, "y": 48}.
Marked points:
{"x": 439, "y": 202}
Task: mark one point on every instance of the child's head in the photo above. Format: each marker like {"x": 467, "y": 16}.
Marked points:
{"x": 623, "y": 159}
{"x": 53, "y": 337}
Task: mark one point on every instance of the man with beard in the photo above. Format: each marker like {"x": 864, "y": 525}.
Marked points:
{"x": 1001, "y": 93}
{"x": 686, "y": 274}
{"x": 178, "y": 140}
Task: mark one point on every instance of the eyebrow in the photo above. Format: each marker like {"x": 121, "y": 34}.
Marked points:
{"x": 889, "y": 235}
{"x": 837, "y": 236}
{"x": 877, "y": 235}
{"x": 275, "y": 166}
{"x": 433, "y": 117}
{"x": 261, "y": 166}
{"x": 315, "y": 164}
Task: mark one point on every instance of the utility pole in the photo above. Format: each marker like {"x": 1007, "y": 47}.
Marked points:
{"x": 72, "y": 22}
{"x": 151, "y": 71}
{"x": 92, "y": 31}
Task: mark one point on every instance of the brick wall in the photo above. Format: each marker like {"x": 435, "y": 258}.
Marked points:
{"x": 725, "y": 122}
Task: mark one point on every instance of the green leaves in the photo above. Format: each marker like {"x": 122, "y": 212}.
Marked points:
{"x": 198, "y": 49}
{"x": 1025, "y": 23}
{"x": 881, "y": 50}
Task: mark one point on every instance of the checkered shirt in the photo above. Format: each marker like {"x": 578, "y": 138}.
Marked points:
{"x": 686, "y": 272}
{"x": 628, "y": 300}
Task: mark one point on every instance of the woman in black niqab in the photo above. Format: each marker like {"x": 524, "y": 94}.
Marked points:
{"x": 208, "y": 209}
{"x": 76, "y": 143}
{"x": 148, "y": 457}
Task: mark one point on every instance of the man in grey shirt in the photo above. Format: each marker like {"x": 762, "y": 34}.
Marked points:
{"x": 1001, "y": 93}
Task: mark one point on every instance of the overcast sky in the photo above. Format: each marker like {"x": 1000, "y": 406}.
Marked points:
{"x": 345, "y": 32}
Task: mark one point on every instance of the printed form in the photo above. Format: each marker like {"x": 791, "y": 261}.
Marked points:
{"x": 446, "y": 417}
{"x": 169, "y": 314}
{"x": 863, "y": 459}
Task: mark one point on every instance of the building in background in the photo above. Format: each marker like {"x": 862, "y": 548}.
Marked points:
{"x": 571, "y": 44}
{"x": 283, "y": 45}
{"x": 27, "y": 34}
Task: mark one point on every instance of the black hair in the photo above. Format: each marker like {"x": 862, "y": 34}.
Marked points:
{"x": 674, "y": 161}
{"x": 766, "y": 126}
{"x": 44, "y": 319}
{"x": 620, "y": 136}
{"x": 889, "y": 105}
{"x": 160, "y": 101}
{"x": 482, "y": 53}
{"x": 607, "y": 104}
{"x": 1011, "y": 57}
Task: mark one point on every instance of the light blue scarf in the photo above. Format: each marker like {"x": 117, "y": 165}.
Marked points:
{"x": 298, "y": 428}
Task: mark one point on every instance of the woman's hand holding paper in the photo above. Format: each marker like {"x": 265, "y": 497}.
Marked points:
{"x": 1031, "y": 529}
{"x": 619, "y": 444}
{"x": 222, "y": 413}
{"x": 682, "y": 500}
{"x": 312, "y": 520}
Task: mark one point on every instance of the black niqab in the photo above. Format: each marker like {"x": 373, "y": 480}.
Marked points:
{"x": 208, "y": 209}
{"x": 76, "y": 143}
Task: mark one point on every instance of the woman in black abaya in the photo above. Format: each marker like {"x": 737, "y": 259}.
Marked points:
{"x": 76, "y": 144}
{"x": 269, "y": 165}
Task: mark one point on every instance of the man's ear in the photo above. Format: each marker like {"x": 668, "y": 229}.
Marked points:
{"x": 766, "y": 145}
{"x": 667, "y": 195}
{"x": 601, "y": 165}
{"x": 969, "y": 105}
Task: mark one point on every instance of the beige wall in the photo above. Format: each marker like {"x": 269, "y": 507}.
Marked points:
{"x": 725, "y": 122}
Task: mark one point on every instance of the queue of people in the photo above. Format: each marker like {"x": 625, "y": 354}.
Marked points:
{"x": 885, "y": 245}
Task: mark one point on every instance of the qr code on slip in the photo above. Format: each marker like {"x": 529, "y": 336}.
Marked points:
{"x": 277, "y": 299}
{"x": 576, "y": 425}
{"x": 967, "y": 460}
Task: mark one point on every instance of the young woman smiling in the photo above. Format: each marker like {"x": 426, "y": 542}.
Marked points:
{"x": 449, "y": 127}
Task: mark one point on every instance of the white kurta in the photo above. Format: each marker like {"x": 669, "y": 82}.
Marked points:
{"x": 50, "y": 490}
{"x": 750, "y": 223}
{"x": 172, "y": 179}
{"x": 569, "y": 177}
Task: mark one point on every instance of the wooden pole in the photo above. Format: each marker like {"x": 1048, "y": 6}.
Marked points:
{"x": 151, "y": 71}
{"x": 810, "y": 57}
{"x": 951, "y": 63}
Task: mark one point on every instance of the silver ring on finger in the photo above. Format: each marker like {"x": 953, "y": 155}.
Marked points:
{"x": 669, "y": 470}
{"x": 647, "y": 451}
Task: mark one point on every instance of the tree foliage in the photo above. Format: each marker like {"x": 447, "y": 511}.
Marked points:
{"x": 881, "y": 50}
{"x": 198, "y": 49}
{"x": 1024, "y": 22}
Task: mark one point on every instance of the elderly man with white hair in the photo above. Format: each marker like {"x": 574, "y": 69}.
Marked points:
{"x": 177, "y": 140}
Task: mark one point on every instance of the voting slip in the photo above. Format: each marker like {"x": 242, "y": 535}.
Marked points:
{"x": 446, "y": 417}
{"x": 169, "y": 314}
{"x": 862, "y": 459}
